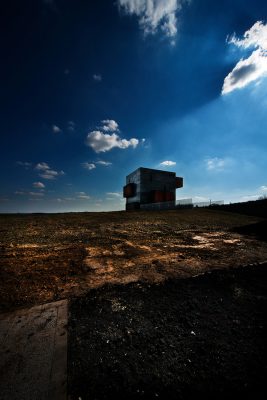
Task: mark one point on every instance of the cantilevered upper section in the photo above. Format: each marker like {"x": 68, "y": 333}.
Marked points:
{"x": 145, "y": 186}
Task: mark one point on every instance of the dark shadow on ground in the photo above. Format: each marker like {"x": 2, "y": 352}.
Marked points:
{"x": 178, "y": 340}
{"x": 258, "y": 230}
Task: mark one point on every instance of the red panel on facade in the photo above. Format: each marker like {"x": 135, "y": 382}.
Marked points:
{"x": 169, "y": 196}
{"x": 158, "y": 196}
{"x": 129, "y": 190}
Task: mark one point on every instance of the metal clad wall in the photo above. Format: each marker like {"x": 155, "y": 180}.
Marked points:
{"x": 152, "y": 186}
{"x": 134, "y": 177}
{"x": 152, "y": 180}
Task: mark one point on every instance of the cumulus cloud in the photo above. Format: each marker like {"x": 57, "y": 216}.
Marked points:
{"x": 154, "y": 14}
{"x": 263, "y": 188}
{"x": 168, "y": 163}
{"x": 109, "y": 125}
{"x": 46, "y": 172}
{"x": 42, "y": 166}
{"x": 97, "y": 77}
{"x": 102, "y": 142}
{"x": 56, "y": 129}
{"x": 254, "y": 67}
{"x": 215, "y": 164}
{"x": 38, "y": 185}
{"x": 88, "y": 166}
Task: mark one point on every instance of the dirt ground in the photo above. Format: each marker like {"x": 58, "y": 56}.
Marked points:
{"x": 202, "y": 337}
{"x": 46, "y": 257}
{"x": 161, "y": 304}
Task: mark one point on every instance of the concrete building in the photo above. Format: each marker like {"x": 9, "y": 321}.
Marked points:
{"x": 151, "y": 189}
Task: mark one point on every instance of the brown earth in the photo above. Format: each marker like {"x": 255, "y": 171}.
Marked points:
{"x": 45, "y": 257}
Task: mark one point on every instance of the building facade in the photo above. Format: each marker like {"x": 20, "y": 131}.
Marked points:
{"x": 147, "y": 187}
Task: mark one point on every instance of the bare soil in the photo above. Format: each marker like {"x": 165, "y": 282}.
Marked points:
{"x": 46, "y": 257}
{"x": 202, "y": 337}
{"x": 161, "y": 305}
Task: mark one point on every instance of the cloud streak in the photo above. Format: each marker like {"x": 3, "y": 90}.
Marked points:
{"x": 38, "y": 185}
{"x": 46, "y": 172}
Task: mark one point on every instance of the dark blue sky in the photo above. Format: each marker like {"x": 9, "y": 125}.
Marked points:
{"x": 92, "y": 90}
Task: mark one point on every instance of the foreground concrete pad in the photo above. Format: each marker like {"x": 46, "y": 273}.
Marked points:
{"x": 33, "y": 353}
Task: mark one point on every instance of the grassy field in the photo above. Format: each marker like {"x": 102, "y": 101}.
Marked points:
{"x": 44, "y": 257}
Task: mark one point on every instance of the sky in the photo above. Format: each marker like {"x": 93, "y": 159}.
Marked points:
{"x": 92, "y": 90}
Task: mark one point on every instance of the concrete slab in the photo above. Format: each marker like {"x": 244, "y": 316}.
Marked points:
{"x": 33, "y": 353}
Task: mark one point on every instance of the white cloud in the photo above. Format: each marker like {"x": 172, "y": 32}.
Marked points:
{"x": 115, "y": 194}
{"x": 92, "y": 165}
{"x": 20, "y": 192}
{"x": 42, "y": 166}
{"x": 46, "y": 172}
{"x": 168, "y": 163}
{"x": 24, "y": 164}
{"x": 56, "y": 129}
{"x": 109, "y": 125}
{"x": 215, "y": 164}
{"x": 256, "y": 37}
{"x": 263, "y": 188}
{"x": 51, "y": 174}
{"x": 38, "y": 194}
{"x": 38, "y": 185}
{"x": 71, "y": 126}
{"x": 104, "y": 163}
{"x": 102, "y": 142}
{"x": 154, "y": 14}
{"x": 88, "y": 166}
{"x": 97, "y": 77}
{"x": 83, "y": 196}
{"x": 253, "y": 67}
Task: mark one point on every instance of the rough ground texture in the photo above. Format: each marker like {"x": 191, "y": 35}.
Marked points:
{"x": 50, "y": 257}
{"x": 33, "y": 353}
{"x": 176, "y": 340}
